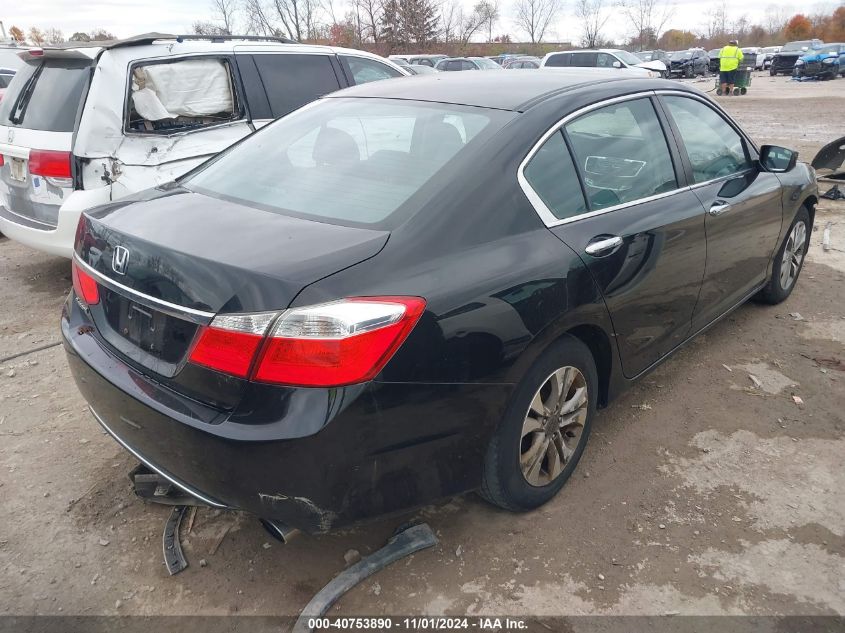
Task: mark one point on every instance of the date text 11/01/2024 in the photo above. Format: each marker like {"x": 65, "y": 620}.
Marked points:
{"x": 418, "y": 623}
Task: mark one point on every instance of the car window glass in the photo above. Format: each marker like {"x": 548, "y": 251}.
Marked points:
{"x": 46, "y": 95}
{"x": 365, "y": 70}
{"x": 584, "y": 60}
{"x": 291, "y": 81}
{"x": 561, "y": 59}
{"x": 622, "y": 153}
{"x": 468, "y": 65}
{"x": 603, "y": 60}
{"x": 714, "y": 148}
{"x": 348, "y": 161}
{"x": 551, "y": 174}
{"x": 174, "y": 96}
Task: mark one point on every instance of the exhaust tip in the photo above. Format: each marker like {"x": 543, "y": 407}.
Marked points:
{"x": 278, "y": 530}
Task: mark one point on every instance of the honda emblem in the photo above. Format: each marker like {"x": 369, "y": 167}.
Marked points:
{"x": 120, "y": 259}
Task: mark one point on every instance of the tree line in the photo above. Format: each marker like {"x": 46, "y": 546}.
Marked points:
{"x": 387, "y": 26}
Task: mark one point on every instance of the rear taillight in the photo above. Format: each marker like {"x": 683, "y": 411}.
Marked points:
{"x": 1, "y": 155}
{"x": 229, "y": 344}
{"x": 84, "y": 285}
{"x": 328, "y": 345}
{"x": 50, "y": 164}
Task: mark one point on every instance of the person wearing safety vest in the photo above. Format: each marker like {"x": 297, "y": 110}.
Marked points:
{"x": 729, "y": 58}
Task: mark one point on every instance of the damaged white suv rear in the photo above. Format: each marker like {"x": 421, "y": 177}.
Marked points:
{"x": 83, "y": 126}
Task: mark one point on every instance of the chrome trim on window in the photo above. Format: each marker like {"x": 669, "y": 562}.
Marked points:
{"x": 180, "y": 312}
{"x": 546, "y": 215}
{"x": 151, "y": 466}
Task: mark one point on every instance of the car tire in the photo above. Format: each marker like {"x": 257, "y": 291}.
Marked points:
{"x": 772, "y": 71}
{"x": 530, "y": 455}
{"x": 688, "y": 72}
{"x": 782, "y": 283}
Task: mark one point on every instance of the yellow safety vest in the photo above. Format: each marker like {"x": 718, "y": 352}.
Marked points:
{"x": 729, "y": 58}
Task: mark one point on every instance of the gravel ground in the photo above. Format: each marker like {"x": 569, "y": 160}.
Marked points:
{"x": 699, "y": 493}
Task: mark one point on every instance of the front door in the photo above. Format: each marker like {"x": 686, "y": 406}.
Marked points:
{"x": 623, "y": 207}
{"x": 742, "y": 203}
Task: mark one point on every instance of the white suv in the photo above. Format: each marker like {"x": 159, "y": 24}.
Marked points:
{"x": 83, "y": 126}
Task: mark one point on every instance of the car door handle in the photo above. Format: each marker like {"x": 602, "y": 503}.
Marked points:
{"x": 718, "y": 208}
{"x": 603, "y": 247}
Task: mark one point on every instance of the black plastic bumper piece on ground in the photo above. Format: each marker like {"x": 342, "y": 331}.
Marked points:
{"x": 403, "y": 544}
{"x": 173, "y": 556}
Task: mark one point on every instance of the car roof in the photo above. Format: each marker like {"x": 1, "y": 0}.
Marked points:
{"x": 500, "y": 91}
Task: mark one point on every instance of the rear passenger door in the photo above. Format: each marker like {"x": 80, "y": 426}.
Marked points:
{"x": 609, "y": 185}
{"x": 743, "y": 204}
{"x": 279, "y": 83}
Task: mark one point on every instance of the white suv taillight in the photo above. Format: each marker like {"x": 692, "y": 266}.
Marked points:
{"x": 327, "y": 345}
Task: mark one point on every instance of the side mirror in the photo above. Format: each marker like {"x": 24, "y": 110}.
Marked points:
{"x": 617, "y": 64}
{"x": 777, "y": 159}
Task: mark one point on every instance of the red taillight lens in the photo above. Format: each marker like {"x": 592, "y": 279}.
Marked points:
{"x": 226, "y": 351}
{"x": 84, "y": 285}
{"x": 1, "y": 155}
{"x": 335, "y": 344}
{"x": 328, "y": 345}
{"x": 48, "y": 163}
{"x": 229, "y": 344}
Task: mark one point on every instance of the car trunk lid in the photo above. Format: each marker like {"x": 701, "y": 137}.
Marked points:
{"x": 164, "y": 270}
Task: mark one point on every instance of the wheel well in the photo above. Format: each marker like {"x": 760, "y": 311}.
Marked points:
{"x": 598, "y": 343}
{"x": 810, "y": 203}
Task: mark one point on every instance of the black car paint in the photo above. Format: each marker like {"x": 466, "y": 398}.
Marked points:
{"x": 498, "y": 294}
{"x": 698, "y": 64}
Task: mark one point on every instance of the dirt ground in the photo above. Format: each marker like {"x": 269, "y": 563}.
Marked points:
{"x": 700, "y": 492}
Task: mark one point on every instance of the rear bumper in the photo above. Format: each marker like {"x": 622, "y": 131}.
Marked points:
{"x": 379, "y": 448}
{"x": 55, "y": 241}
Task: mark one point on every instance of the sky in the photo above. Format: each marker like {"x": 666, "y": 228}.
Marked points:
{"x": 131, "y": 17}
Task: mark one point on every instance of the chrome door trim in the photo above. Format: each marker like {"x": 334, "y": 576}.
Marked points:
{"x": 546, "y": 215}
{"x": 200, "y": 317}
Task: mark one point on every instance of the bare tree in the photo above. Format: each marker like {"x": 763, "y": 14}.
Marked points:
{"x": 36, "y": 36}
{"x": 490, "y": 10}
{"x": 54, "y": 36}
{"x": 258, "y": 19}
{"x": 370, "y": 12}
{"x": 451, "y": 17}
{"x": 593, "y": 18}
{"x": 647, "y": 17}
{"x": 471, "y": 22}
{"x": 534, "y": 17}
{"x": 717, "y": 20}
{"x": 224, "y": 12}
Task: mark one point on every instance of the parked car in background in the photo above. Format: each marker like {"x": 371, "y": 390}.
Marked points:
{"x": 753, "y": 57}
{"x": 783, "y": 62}
{"x": 770, "y": 52}
{"x": 451, "y": 64}
{"x": 655, "y": 56}
{"x": 6, "y": 75}
{"x": 421, "y": 60}
{"x": 300, "y": 368}
{"x": 420, "y": 69}
{"x": 827, "y": 62}
{"x": 604, "y": 58}
{"x": 689, "y": 63}
{"x": 713, "y": 59}
{"x": 86, "y": 125}
{"x": 526, "y": 62}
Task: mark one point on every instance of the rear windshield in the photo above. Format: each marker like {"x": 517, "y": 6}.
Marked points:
{"x": 357, "y": 162}
{"x": 45, "y": 95}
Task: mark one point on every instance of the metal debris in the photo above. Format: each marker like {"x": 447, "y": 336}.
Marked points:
{"x": 797, "y": 399}
{"x": 173, "y": 556}
{"x": 400, "y": 545}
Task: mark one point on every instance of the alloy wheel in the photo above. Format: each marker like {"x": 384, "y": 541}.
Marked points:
{"x": 553, "y": 426}
{"x": 793, "y": 255}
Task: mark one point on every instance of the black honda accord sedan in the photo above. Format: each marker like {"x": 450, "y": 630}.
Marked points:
{"x": 420, "y": 287}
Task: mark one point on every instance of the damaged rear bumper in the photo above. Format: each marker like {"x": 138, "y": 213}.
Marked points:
{"x": 386, "y": 448}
